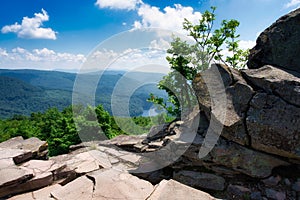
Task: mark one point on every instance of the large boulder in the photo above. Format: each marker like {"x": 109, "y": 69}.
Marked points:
{"x": 260, "y": 112}
{"x": 274, "y": 126}
{"x": 260, "y": 109}
{"x": 273, "y": 119}
{"x": 224, "y": 95}
{"x": 276, "y": 81}
{"x": 279, "y": 45}
{"x": 237, "y": 158}
{"x": 200, "y": 180}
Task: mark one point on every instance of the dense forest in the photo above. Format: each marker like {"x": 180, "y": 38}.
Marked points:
{"x": 59, "y": 129}
{"x": 25, "y": 91}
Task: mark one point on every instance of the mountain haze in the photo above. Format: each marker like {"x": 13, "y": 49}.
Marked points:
{"x": 26, "y": 91}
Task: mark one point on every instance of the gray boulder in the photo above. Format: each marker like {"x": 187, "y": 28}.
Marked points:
{"x": 200, "y": 180}
{"x": 224, "y": 96}
{"x": 236, "y": 157}
{"x": 238, "y": 192}
{"x": 279, "y": 45}
{"x": 274, "y": 126}
{"x": 276, "y": 81}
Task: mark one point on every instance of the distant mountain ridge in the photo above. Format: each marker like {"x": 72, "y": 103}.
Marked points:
{"x": 26, "y": 91}
{"x": 43, "y": 79}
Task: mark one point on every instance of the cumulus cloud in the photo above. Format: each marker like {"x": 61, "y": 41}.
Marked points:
{"x": 292, "y": 3}
{"x": 159, "y": 44}
{"x": 247, "y": 44}
{"x": 137, "y": 59}
{"x": 127, "y": 59}
{"x": 44, "y": 52}
{"x": 170, "y": 18}
{"x": 31, "y": 28}
{"x": 19, "y": 58}
{"x": 3, "y": 52}
{"x": 118, "y": 4}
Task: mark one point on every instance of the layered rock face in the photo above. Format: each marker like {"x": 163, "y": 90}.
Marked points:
{"x": 273, "y": 119}
{"x": 262, "y": 109}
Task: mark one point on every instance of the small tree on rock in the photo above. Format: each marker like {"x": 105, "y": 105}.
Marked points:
{"x": 186, "y": 60}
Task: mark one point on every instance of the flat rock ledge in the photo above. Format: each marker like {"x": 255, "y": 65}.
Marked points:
{"x": 105, "y": 170}
{"x": 92, "y": 171}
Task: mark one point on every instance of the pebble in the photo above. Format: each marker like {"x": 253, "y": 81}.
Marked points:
{"x": 276, "y": 195}
{"x": 296, "y": 186}
{"x": 256, "y": 196}
{"x": 272, "y": 181}
{"x": 287, "y": 182}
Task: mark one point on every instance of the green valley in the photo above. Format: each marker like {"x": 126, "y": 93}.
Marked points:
{"x": 25, "y": 91}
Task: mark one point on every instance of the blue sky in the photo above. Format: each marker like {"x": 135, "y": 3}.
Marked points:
{"x": 59, "y": 34}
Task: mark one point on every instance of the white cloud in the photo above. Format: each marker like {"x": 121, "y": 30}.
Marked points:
{"x": 247, "y": 44}
{"x": 118, "y": 4}
{"x": 45, "y": 59}
{"x": 137, "y": 25}
{"x": 11, "y": 28}
{"x": 104, "y": 54}
{"x": 292, "y": 3}
{"x": 44, "y": 52}
{"x": 31, "y": 28}
{"x": 170, "y": 18}
{"x": 160, "y": 44}
{"x": 19, "y": 50}
{"x": 128, "y": 59}
{"x": 136, "y": 59}
{"x": 3, "y": 52}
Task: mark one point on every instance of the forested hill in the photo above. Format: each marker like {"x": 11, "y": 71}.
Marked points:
{"x": 25, "y": 91}
{"x": 43, "y": 79}
{"x": 20, "y": 98}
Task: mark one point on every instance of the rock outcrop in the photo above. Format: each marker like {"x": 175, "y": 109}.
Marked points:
{"x": 22, "y": 150}
{"x": 260, "y": 133}
{"x": 264, "y": 113}
{"x": 279, "y": 44}
{"x": 218, "y": 89}
{"x": 94, "y": 170}
{"x": 262, "y": 103}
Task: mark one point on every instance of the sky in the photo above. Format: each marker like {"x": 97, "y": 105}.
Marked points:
{"x": 64, "y": 35}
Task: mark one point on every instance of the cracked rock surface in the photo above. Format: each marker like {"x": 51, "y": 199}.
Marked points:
{"x": 100, "y": 173}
